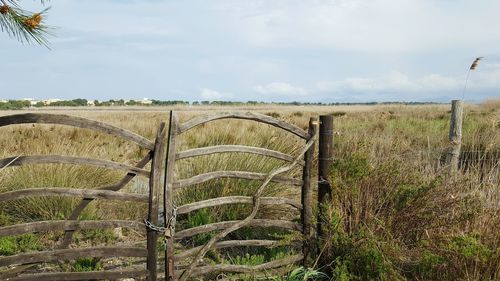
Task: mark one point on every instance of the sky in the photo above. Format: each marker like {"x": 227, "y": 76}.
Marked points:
{"x": 263, "y": 50}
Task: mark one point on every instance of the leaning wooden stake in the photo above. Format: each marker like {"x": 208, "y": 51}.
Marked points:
{"x": 307, "y": 194}
{"x": 455, "y": 136}
{"x": 155, "y": 183}
{"x": 325, "y": 160}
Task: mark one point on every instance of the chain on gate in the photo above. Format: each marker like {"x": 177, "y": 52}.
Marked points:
{"x": 169, "y": 229}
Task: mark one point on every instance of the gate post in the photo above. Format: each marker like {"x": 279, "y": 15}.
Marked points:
{"x": 308, "y": 246}
{"x": 325, "y": 158}
{"x": 168, "y": 197}
{"x": 157, "y": 169}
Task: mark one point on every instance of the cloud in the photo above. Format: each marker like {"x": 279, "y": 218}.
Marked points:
{"x": 281, "y": 89}
{"x": 368, "y": 26}
{"x": 393, "y": 82}
{"x": 313, "y": 50}
{"x": 209, "y": 94}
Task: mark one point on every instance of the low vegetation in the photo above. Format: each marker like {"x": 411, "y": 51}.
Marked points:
{"x": 394, "y": 213}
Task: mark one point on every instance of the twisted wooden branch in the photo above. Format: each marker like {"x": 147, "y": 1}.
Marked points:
{"x": 257, "y": 202}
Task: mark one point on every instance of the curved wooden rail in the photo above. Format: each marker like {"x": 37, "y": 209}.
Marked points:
{"x": 235, "y": 200}
{"x": 233, "y": 243}
{"x": 233, "y": 174}
{"x": 222, "y": 225}
{"x": 247, "y": 269}
{"x": 242, "y": 115}
{"x": 73, "y": 192}
{"x": 70, "y": 254}
{"x": 235, "y": 148}
{"x": 45, "y": 226}
{"x": 59, "y": 159}
{"x": 60, "y": 119}
{"x": 89, "y": 275}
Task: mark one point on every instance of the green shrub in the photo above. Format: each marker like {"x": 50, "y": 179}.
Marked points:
{"x": 87, "y": 264}
{"x": 12, "y": 245}
{"x": 429, "y": 263}
{"x": 351, "y": 168}
{"x": 469, "y": 247}
{"x": 98, "y": 236}
{"x": 247, "y": 259}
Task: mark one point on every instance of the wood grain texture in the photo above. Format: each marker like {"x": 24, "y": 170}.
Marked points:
{"x": 45, "y": 118}
{"x": 245, "y": 268}
{"x": 60, "y": 159}
{"x": 195, "y": 152}
{"x": 233, "y": 243}
{"x": 45, "y": 226}
{"x": 72, "y": 192}
{"x": 325, "y": 160}
{"x": 242, "y": 115}
{"x": 235, "y": 200}
{"x": 90, "y": 275}
{"x": 225, "y": 224}
{"x": 455, "y": 136}
{"x": 168, "y": 203}
{"x": 235, "y": 175}
{"x": 306, "y": 198}
{"x": 155, "y": 189}
{"x": 71, "y": 254}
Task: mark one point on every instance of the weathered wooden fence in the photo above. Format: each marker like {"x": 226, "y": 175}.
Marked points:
{"x": 163, "y": 156}
{"x": 174, "y": 268}
{"x": 155, "y": 155}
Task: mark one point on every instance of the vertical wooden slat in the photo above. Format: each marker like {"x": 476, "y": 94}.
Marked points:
{"x": 155, "y": 182}
{"x": 307, "y": 195}
{"x": 455, "y": 135}
{"x": 325, "y": 160}
{"x": 168, "y": 195}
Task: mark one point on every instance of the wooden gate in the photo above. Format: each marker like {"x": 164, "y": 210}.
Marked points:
{"x": 182, "y": 261}
{"x": 19, "y": 263}
{"x": 178, "y": 251}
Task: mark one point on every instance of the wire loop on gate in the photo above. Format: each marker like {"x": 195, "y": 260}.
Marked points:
{"x": 321, "y": 181}
{"x": 327, "y": 133}
{"x": 327, "y": 158}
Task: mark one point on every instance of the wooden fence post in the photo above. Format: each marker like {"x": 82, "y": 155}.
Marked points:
{"x": 307, "y": 195}
{"x": 325, "y": 160}
{"x": 455, "y": 136}
{"x": 157, "y": 169}
{"x": 168, "y": 196}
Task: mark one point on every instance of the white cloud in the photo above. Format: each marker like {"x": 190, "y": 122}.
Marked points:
{"x": 281, "y": 89}
{"x": 209, "y": 94}
{"x": 393, "y": 82}
{"x": 369, "y": 26}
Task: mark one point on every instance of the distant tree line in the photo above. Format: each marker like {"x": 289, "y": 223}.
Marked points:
{"x": 19, "y": 104}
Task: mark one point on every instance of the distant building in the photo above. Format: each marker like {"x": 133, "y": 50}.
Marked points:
{"x": 4, "y": 101}
{"x": 145, "y": 101}
{"x": 90, "y": 103}
{"x": 31, "y": 100}
{"x": 49, "y": 101}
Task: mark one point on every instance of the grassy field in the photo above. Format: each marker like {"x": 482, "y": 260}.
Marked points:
{"x": 394, "y": 215}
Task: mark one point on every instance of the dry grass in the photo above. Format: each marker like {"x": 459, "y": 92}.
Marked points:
{"x": 391, "y": 200}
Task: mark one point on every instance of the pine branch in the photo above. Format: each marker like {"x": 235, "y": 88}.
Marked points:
{"x": 25, "y": 26}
